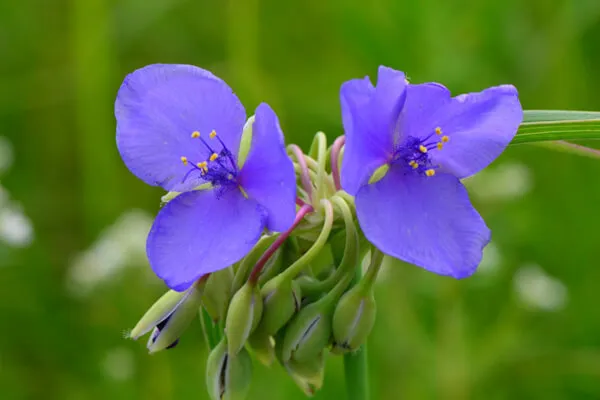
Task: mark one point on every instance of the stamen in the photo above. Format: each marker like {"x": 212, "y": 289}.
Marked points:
{"x": 430, "y": 172}
{"x": 184, "y": 160}
{"x": 422, "y": 149}
{"x": 438, "y": 131}
{"x": 414, "y": 164}
{"x": 213, "y": 134}
{"x": 440, "y": 145}
{"x": 445, "y": 139}
{"x": 203, "y": 166}
{"x": 213, "y": 156}
{"x": 195, "y": 134}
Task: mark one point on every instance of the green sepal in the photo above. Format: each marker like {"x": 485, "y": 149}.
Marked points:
{"x": 228, "y": 377}
{"x": 217, "y": 293}
{"x": 243, "y": 316}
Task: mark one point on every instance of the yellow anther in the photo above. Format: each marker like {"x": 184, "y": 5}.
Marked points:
{"x": 440, "y": 145}
{"x": 445, "y": 139}
{"x": 202, "y": 165}
{"x": 414, "y": 164}
{"x": 430, "y": 172}
{"x": 213, "y": 156}
{"x": 438, "y": 131}
{"x": 195, "y": 134}
{"x": 184, "y": 160}
{"x": 422, "y": 149}
{"x": 213, "y": 134}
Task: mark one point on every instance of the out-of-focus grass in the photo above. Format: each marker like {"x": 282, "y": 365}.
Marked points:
{"x": 482, "y": 338}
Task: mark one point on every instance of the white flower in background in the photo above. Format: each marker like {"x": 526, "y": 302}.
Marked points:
{"x": 503, "y": 182}
{"x": 15, "y": 227}
{"x": 118, "y": 364}
{"x": 539, "y": 291}
{"x": 121, "y": 245}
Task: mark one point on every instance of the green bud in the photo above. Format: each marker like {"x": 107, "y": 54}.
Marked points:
{"x": 217, "y": 293}
{"x": 228, "y": 377}
{"x": 272, "y": 267}
{"x": 353, "y": 319}
{"x": 281, "y": 300}
{"x": 243, "y": 316}
{"x": 263, "y": 347}
{"x": 159, "y": 311}
{"x": 168, "y": 330}
{"x": 308, "y": 333}
{"x": 307, "y": 375}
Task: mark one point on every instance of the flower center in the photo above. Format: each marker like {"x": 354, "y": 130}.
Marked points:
{"x": 220, "y": 169}
{"x": 415, "y": 153}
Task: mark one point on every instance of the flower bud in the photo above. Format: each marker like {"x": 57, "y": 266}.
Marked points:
{"x": 307, "y": 333}
{"x": 307, "y": 375}
{"x": 243, "y": 316}
{"x": 169, "y": 317}
{"x": 228, "y": 377}
{"x": 353, "y": 319}
{"x": 263, "y": 347}
{"x": 217, "y": 293}
{"x": 281, "y": 300}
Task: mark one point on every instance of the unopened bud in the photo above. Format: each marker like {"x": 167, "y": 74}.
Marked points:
{"x": 281, "y": 300}
{"x": 169, "y": 316}
{"x": 353, "y": 319}
{"x": 263, "y": 347}
{"x": 307, "y": 333}
{"x": 243, "y": 316}
{"x": 228, "y": 377}
{"x": 217, "y": 293}
{"x": 307, "y": 375}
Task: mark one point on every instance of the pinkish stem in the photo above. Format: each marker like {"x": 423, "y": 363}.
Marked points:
{"x": 304, "y": 176}
{"x": 253, "y": 278}
{"x": 335, "y": 160}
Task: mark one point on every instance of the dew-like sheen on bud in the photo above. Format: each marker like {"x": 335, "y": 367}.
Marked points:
{"x": 353, "y": 319}
{"x": 243, "y": 316}
{"x": 228, "y": 377}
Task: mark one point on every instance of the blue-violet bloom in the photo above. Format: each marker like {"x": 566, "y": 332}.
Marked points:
{"x": 179, "y": 127}
{"x": 419, "y": 211}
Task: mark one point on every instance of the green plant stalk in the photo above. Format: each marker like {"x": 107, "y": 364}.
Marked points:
{"x": 356, "y": 369}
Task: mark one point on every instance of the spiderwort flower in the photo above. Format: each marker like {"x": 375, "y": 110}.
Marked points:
{"x": 419, "y": 211}
{"x": 179, "y": 127}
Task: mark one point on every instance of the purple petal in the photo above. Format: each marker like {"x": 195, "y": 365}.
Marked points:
{"x": 157, "y": 109}
{"x": 422, "y": 102}
{"x": 426, "y": 221}
{"x": 479, "y": 126}
{"x": 268, "y": 173}
{"x": 370, "y": 117}
{"x": 199, "y": 232}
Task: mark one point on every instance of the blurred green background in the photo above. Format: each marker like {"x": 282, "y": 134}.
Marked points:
{"x": 73, "y": 220}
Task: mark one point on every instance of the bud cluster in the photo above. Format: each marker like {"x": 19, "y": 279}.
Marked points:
{"x": 294, "y": 299}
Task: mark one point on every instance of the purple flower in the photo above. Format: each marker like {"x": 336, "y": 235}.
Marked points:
{"x": 178, "y": 127}
{"x": 419, "y": 211}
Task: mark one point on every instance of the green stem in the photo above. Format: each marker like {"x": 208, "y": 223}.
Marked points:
{"x": 356, "y": 370}
{"x": 356, "y": 374}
